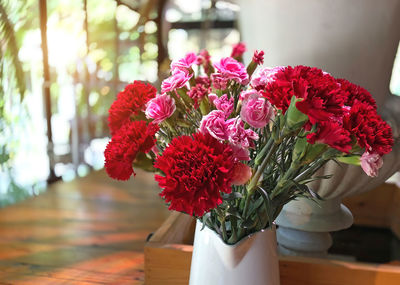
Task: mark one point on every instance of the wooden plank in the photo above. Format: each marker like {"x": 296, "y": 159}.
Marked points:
{"x": 168, "y": 263}
{"x": 88, "y": 231}
{"x": 160, "y": 270}
{"x": 377, "y": 208}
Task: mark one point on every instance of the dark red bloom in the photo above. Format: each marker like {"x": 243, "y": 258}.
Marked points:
{"x": 195, "y": 171}
{"x": 355, "y": 92}
{"x": 129, "y": 103}
{"x": 126, "y": 143}
{"x": 372, "y": 133}
{"x": 332, "y": 134}
{"x": 322, "y": 95}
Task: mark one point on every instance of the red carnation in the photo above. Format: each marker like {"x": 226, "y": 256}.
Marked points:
{"x": 372, "y": 133}
{"x": 126, "y": 143}
{"x": 130, "y": 102}
{"x": 322, "y": 95}
{"x": 355, "y": 92}
{"x": 195, "y": 171}
{"x": 332, "y": 134}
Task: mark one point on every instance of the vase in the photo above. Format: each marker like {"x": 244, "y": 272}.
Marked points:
{"x": 253, "y": 260}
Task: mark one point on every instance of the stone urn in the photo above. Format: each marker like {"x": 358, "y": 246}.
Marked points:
{"x": 356, "y": 40}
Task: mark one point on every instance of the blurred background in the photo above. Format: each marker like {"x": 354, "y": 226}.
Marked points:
{"x": 62, "y": 62}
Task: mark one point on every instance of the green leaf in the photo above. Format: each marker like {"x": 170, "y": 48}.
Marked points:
{"x": 353, "y": 159}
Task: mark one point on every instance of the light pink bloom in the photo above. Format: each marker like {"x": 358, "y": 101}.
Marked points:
{"x": 244, "y": 95}
{"x": 214, "y": 124}
{"x": 238, "y": 135}
{"x": 370, "y": 163}
{"x": 219, "y": 81}
{"x": 238, "y": 50}
{"x": 183, "y": 64}
{"x": 222, "y": 103}
{"x": 241, "y": 174}
{"x": 160, "y": 108}
{"x": 264, "y": 76}
{"x": 212, "y": 97}
{"x": 256, "y": 111}
{"x": 230, "y": 68}
{"x": 175, "y": 81}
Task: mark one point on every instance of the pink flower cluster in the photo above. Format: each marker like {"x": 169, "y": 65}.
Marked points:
{"x": 231, "y": 130}
{"x": 256, "y": 110}
{"x": 264, "y": 76}
{"x": 181, "y": 71}
{"x": 222, "y": 103}
{"x": 160, "y": 108}
{"x": 230, "y": 68}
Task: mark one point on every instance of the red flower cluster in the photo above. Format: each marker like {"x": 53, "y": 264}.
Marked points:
{"x": 339, "y": 108}
{"x": 126, "y": 143}
{"x": 322, "y": 96}
{"x": 195, "y": 171}
{"x": 355, "y": 92}
{"x": 372, "y": 133}
{"x": 130, "y": 102}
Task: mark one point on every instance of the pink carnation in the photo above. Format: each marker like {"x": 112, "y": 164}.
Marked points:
{"x": 241, "y": 174}
{"x": 256, "y": 111}
{"x": 219, "y": 81}
{"x": 370, "y": 163}
{"x": 175, "y": 81}
{"x": 222, "y": 103}
{"x": 230, "y": 68}
{"x": 198, "y": 92}
{"x": 214, "y": 124}
{"x": 203, "y": 57}
{"x": 244, "y": 95}
{"x": 238, "y": 50}
{"x": 264, "y": 76}
{"x": 238, "y": 135}
{"x": 183, "y": 64}
{"x": 258, "y": 57}
{"x": 160, "y": 108}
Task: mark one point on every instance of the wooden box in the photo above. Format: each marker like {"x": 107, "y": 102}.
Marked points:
{"x": 168, "y": 252}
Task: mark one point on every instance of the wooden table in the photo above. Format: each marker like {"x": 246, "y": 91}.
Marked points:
{"x": 88, "y": 231}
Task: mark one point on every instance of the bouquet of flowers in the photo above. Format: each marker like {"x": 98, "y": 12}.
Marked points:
{"x": 231, "y": 146}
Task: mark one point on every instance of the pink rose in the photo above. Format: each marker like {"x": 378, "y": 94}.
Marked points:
{"x": 222, "y": 103}
{"x": 238, "y": 135}
{"x": 183, "y": 64}
{"x": 241, "y": 174}
{"x": 264, "y": 76}
{"x": 160, "y": 108}
{"x": 175, "y": 81}
{"x": 214, "y": 124}
{"x": 238, "y": 50}
{"x": 256, "y": 111}
{"x": 370, "y": 163}
{"x": 230, "y": 68}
